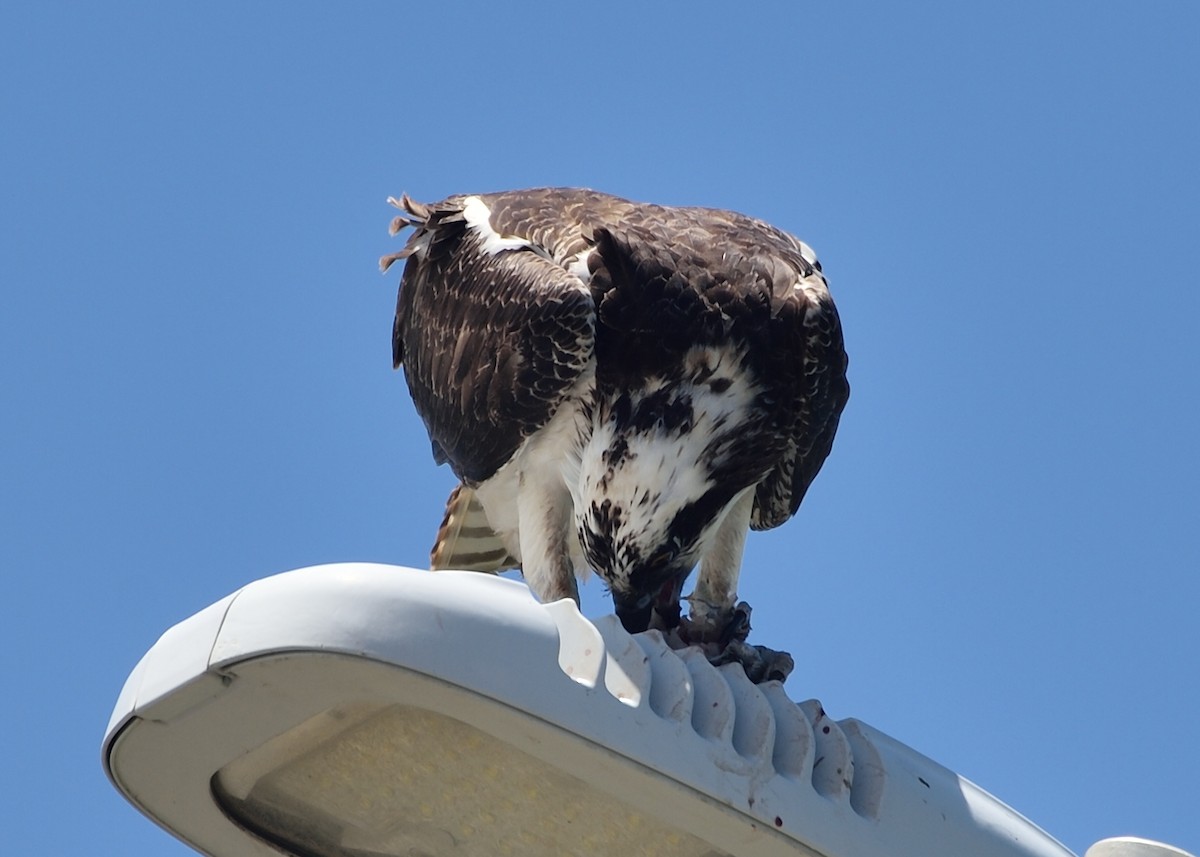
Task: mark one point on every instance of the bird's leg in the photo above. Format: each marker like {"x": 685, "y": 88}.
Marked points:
{"x": 713, "y": 614}
{"x": 545, "y": 532}
{"x": 716, "y": 620}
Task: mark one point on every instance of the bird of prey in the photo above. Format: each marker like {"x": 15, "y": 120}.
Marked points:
{"x": 621, "y": 387}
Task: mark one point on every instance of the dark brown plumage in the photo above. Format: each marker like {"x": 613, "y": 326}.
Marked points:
{"x": 611, "y": 379}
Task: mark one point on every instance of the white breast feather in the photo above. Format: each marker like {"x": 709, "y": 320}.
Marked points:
{"x": 657, "y": 479}
{"x": 671, "y": 465}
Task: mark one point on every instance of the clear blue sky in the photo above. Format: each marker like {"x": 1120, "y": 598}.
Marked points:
{"x": 999, "y": 563}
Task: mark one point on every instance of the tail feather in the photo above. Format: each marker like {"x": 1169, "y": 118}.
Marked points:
{"x": 466, "y": 540}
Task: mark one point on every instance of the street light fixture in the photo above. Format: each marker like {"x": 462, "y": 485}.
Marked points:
{"x": 363, "y": 710}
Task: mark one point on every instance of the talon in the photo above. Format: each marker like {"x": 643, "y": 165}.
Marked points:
{"x": 738, "y": 627}
{"x": 708, "y": 623}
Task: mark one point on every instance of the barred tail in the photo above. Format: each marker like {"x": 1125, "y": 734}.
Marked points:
{"x": 465, "y": 540}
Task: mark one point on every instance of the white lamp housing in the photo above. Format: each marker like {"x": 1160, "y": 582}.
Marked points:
{"x": 363, "y": 710}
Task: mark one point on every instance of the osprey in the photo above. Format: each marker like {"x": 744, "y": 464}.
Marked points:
{"x": 621, "y": 387}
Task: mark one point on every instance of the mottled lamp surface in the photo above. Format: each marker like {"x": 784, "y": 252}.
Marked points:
{"x": 403, "y": 780}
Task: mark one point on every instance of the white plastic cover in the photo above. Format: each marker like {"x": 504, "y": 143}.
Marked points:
{"x": 327, "y": 709}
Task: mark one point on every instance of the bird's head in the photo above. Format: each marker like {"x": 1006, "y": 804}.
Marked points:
{"x": 641, "y": 586}
{"x": 644, "y": 535}
{"x": 666, "y": 458}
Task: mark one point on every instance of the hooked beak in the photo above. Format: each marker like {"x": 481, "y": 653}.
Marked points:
{"x": 634, "y": 612}
{"x": 656, "y": 609}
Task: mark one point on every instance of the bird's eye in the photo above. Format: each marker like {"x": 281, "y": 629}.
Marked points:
{"x": 661, "y": 557}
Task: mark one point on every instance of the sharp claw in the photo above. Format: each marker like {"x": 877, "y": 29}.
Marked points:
{"x": 721, "y": 634}
{"x": 738, "y": 627}
{"x": 709, "y": 623}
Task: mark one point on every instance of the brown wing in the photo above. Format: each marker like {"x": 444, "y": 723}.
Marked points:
{"x": 820, "y": 399}
{"x": 697, "y": 276}
{"x": 491, "y": 342}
